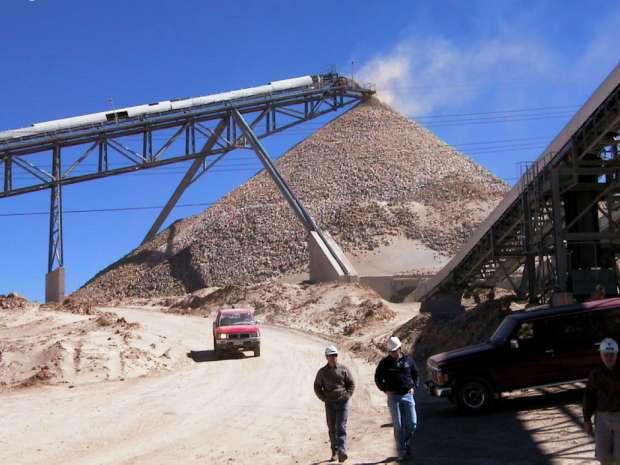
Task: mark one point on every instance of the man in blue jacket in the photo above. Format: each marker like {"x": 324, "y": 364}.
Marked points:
{"x": 397, "y": 376}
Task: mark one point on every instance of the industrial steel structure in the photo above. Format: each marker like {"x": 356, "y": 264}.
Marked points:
{"x": 201, "y": 130}
{"x": 557, "y": 232}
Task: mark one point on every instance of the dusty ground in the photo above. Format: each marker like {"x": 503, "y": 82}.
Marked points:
{"x": 198, "y": 410}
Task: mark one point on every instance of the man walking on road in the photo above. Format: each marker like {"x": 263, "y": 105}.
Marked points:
{"x": 397, "y": 376}
{"x": 602, "y": 399}
{"x": 334, "y": 385}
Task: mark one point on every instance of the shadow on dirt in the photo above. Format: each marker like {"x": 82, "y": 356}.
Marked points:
{"x": 518, "y": 432}
{"x": 200, "y": 356}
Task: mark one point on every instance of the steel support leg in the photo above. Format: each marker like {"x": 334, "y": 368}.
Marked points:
{"x": 299, "y": 210}
{"x": 530, "y": 260}
{"x": 295, "y": 204}
{"x": 55, "y": 278}
{"x": 561, "y": 265}
{"x": 185, "y": 182}
{"x": 8, "y": 174}
{"x": 55, "y": 255}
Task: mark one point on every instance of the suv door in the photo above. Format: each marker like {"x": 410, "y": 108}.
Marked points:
{"x": 605, "y": 323}
{"x": 528, "y": 361}
{"x": 573, "y": 343}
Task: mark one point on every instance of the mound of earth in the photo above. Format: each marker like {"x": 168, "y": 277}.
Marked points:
{"x": 352, "y": 316}
{"x": 375, "y": 180}
{"x": 328, "y": 309}
{"x": 39, "y": 346}
{"x": 13, "y": 301}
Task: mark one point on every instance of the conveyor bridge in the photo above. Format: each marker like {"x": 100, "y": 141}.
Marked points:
{"x": 202, "y": 130}
{"x": 556, "y": 233}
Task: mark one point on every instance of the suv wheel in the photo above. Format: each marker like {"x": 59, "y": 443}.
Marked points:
{"x": 257, "y": 351}
{"x": 474, "y": 396}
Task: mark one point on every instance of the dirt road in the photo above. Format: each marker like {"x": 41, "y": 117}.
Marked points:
{"x": 246, "y": 410}
{"x": 262, "y": 411}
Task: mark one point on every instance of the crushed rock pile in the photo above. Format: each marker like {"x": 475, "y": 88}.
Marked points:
{"x": 71, "y": 305}
{"x": 367, "y": 177}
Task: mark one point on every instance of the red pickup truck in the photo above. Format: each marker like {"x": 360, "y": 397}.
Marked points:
{"x": 236, "y": 329}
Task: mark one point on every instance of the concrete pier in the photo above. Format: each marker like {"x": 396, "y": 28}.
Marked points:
{"x": 55, "y": 286}
{"x": 323, "y": 266}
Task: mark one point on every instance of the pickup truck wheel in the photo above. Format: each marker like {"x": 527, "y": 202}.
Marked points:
{"x": 474, "y": 396}
{"x": 257, "y": 351}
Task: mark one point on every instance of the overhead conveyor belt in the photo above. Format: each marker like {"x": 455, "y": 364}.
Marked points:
{"x": 200, "y": 130}
{"x": 549, "y": 222}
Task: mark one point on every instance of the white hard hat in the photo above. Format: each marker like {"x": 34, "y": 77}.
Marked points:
{"x": 608, "y": 346}
{"x": 393, "y": 344}
{"x": 331, "y": 350}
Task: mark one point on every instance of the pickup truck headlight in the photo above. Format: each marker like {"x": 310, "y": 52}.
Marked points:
{"x": 223, "y": 336}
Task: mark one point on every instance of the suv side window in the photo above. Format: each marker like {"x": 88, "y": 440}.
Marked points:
{"x": 531, "y": 334}
{"x": 526, "y": 331}
{"x": 606, "y": 323}
{"x": 572, "y": 329}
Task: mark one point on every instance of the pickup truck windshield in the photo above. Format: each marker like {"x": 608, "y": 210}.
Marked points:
{"x": 503, "y": 331}
{"x": 235, "y": 319}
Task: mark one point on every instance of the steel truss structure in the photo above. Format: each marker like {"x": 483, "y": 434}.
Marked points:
{"x": 558, "y": 230}
{"x": 202, "y": 135}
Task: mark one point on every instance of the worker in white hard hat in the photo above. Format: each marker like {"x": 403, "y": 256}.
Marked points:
{"x": 334, "y": 385}
{"x": 397, "y": 376}
{"x": 602, "y": 399}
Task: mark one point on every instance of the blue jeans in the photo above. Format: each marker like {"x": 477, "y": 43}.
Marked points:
{"x": 337, "y": 413}
{"x": 402, "y": 409}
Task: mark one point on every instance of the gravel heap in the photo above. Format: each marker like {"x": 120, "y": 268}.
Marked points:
{"x": 14, "y": 301}
{"x": 367, "y": 177}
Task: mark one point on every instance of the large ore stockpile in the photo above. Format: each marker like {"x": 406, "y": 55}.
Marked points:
{"x": 368, "y": 177}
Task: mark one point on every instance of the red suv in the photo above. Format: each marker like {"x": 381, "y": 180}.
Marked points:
{"x": 236, "y": 329}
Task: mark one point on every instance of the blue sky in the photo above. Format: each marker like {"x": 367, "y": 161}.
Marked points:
{"x": 496, "y": 79}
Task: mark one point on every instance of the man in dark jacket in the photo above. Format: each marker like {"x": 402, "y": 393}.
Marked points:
{"x": 397, "y": 376}
{"x": 334, "y": 385}
{"x": 602, "y": 399}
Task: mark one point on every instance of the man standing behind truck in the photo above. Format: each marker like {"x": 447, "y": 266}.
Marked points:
{"x": 602, "y": 399}
{"x": 397, "y": 376}
{"x": 334, "y": 385}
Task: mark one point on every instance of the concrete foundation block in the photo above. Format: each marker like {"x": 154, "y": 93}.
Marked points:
{"x": 55, "y": 286}
{"x": 323, "y": 266}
